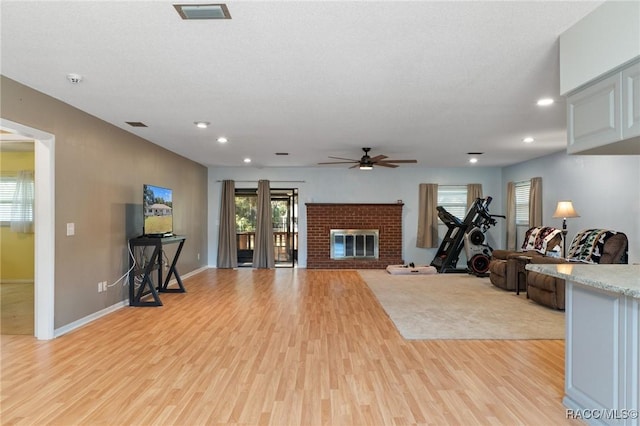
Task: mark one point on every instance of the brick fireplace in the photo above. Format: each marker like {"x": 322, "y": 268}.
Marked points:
{"x": 322, "y": 218}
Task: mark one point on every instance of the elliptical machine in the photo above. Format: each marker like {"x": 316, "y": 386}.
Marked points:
{"x": 468, "y": 233}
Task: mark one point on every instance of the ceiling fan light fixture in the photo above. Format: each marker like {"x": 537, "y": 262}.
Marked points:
{"x": 366, "y": 167}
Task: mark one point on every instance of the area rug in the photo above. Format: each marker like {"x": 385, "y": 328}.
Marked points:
{"x": 460, "y": 306}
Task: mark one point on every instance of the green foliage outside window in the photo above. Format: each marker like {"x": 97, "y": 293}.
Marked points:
{"x": 246, "y": 213}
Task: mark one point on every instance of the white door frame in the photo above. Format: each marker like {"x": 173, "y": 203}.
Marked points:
{"x": 44, "y": 216}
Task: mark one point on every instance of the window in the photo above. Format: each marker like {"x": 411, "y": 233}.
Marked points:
{"x": 522, "y": 202}
{"x": 7, "y": 189}
{"x": 454, "y": 199}
{"x": 8, "y": 186}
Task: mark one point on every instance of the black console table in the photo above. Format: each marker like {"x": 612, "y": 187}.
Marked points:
{"x": 154, "y": 263}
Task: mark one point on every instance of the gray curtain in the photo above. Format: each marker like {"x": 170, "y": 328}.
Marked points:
{"x": 263, "y": 252}
{"x": 511, "y": 216}
{"x": 474, "y": 191}
{"x": 227, "y": 244}
{"x": 535, "y": 202}
{"x": 427, "y": 216}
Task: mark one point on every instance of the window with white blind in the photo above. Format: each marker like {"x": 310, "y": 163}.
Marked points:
{"x": 8, "y": 184}
{"x": 7, "y": 189}
{"x": 522, "y": 202}
{"x": 454, "y": 199}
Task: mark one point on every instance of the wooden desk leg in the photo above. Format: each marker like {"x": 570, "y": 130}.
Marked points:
{"x": 146, "y": 282}
{"x": 174, "y": 271}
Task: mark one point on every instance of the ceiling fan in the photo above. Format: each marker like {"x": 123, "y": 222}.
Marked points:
{"x": 367, "y": 162}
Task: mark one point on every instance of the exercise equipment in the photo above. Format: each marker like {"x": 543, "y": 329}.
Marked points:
{"x": 468, "y": 233}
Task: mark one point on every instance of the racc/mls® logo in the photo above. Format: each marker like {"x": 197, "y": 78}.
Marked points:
{"x": 602, "y": 414}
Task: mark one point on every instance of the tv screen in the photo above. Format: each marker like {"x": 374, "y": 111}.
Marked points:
{"x": 157, "y": 206}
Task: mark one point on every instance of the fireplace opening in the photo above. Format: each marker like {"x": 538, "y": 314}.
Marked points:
{"x": 354, "y": 243}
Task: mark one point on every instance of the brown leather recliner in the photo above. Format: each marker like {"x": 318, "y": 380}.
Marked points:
{"x": 550, "y": 291}
{"x": 503, "y": 266}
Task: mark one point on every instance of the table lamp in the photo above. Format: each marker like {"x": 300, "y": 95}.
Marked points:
{"x": 564, "y": 210}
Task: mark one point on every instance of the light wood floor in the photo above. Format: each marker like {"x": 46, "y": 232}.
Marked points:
{"x": 280, "y": 347}
{"x": 16, "y": 308}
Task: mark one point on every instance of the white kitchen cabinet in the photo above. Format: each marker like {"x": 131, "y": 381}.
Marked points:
{"x": 631, "y": 102}
{"x": 604, "y": 117}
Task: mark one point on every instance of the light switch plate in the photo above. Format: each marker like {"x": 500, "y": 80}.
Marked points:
{"x": 71, "y": 229}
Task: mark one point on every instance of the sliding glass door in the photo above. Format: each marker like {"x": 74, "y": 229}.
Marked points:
{"x": 284, "y": 207}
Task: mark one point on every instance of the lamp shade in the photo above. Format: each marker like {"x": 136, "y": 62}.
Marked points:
{"x": 565, "y": 209}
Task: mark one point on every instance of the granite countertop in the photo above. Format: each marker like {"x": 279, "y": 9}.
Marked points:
{"x": 622, "y": 279}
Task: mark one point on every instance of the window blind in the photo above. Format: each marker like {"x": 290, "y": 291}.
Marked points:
{"x": 7, "y": 189}
{"x": 522, "y": 202}
{"x": 454, "y": 199}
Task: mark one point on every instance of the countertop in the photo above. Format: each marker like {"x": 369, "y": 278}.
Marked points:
{"x": 622, "y": 279}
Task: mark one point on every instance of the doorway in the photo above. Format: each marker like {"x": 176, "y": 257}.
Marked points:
{"x": 16, "y": 240}
{"x": 44, "y": 218}
{"x": 284, "y": 207}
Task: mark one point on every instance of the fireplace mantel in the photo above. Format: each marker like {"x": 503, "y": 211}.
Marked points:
{"x": 355, "y": 204}
{"x": 386, "y": 218}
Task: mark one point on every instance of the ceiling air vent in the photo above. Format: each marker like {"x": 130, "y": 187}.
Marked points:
{"x": 136, "y": 124}
{"x": 203, "y": 11}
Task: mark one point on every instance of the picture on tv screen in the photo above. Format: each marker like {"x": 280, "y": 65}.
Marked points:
{"x": 158, "y": 211}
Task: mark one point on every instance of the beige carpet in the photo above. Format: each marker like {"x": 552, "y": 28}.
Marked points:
{"x": 460, "y": 306}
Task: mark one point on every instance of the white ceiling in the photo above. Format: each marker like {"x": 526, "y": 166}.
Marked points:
{"x": 425, "y": 80}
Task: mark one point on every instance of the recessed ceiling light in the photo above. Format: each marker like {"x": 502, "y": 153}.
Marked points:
{"x": 473, "y": 160}
{"x": 203, "y": 11}
{"x": 545, "y": 101}
{"x": 222, "y": 139}
{"x": 247, "y": 160}
{"x": 202, "y": 124}
{"x": 528, "y": 139}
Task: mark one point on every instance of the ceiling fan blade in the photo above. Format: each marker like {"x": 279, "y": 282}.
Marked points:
{"x": 377, "y": 158}
{"x": 340, "y": 158}
{"x": 353, "y": 167}
{"x": 399, "y": 161}
{"x": 385, "y": 164}
{"x": 340, "y": 162}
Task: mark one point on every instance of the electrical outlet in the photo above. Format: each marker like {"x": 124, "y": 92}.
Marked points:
{"x": 104, "y": 286}
{"x": 198, "y": 256}
{"x": 100, "y": 287}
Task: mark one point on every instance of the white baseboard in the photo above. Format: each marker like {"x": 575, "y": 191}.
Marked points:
{"x": 90, "y": 318}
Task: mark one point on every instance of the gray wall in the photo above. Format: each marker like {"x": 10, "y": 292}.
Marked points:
{"x": 99, "y": 173}
{"x": 343, "y": 185}
{"x": 605, "y": 191}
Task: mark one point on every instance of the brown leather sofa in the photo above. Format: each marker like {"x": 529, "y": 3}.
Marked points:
{"x": 550, "y": 291}
{"x": 503, "y": 266}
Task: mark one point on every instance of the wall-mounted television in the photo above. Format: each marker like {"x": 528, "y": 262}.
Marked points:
{"x": 157, "y": 206}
